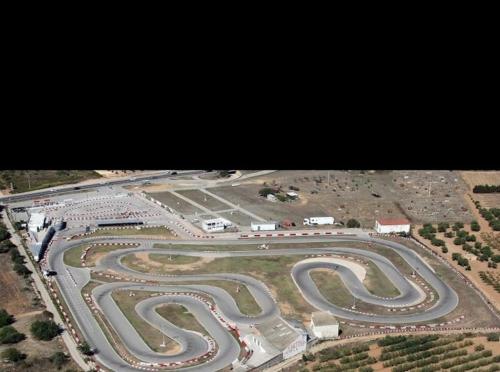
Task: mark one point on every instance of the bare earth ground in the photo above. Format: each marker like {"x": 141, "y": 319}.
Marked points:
{"x": 19, "y": 302}
{"x": 421, "y": 196}
{"x": 473, "y": 178}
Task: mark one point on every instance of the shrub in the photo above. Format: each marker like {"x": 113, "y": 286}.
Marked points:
{"x": 21, "y": 269}
{"x": 9, "y": 335}
{"x": 479, "y": 347}
{"x": 457, "y": 226}
{"x": 449, "y": 234}
{"x": 85, "y": 348}
{"x": 59, "y": 359}
{"x": 44, "y": 329}
{"x": 474, "y": 226}
{"x": 5, "y": 318}
{"x": 352, "y": 223}
{"x": 459, "y": 241}
{"x": 496, "y": 258}
{"x": 470, "y": 238}
{"x": 437, "y": 242}
{"x": 443, "y": 226}
{"x": 266, "y": 191}
{"x": 482, "y": 189}
{"x": 495, "y": 225}
{"x": 493, "y": 337}
{"x": 13, "y": 355}
{"x": 444, "y": 249}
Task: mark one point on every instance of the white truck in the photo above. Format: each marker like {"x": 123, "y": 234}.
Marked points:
{"x": 318, "y": 221}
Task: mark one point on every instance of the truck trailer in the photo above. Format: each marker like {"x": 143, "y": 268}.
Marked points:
{"x": 313, "y": 221}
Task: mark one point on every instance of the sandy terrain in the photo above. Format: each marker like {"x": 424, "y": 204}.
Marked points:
{"x": 357, "y": 269}
{"x": 145, "y": 262}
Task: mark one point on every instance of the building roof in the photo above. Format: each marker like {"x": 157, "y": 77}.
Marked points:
{"x": 263, "y": 223}
{"x": 393, "y": 221}
{"x": 215, "y": 220}
{"x": 36, "y": 219}
{"x": 278, "y": 333}
{"x": 323, "y": 318}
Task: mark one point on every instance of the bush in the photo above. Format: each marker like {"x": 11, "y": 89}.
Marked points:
{"x": 4, "y": 234}
{"x": 493, "y": 337}
{"x": 85, "y": 348}
{"x": 5, "y": 318}
{"x": 6, "y": 246}
{"x": 437, "y": 242}
{"x": 459, "y": 241}
{"x": 443, "y": 226}
{"x": 266, "y": 191}
{"x": 449, "y": 234}
{"x": 59, "y": 359}
{"x": 495, "y": 225}
{"x": 470, "y": 238}
{"x": 13, "y": 355}
{"x": 457, "y": 226}
{"x": 479, "y": 347}
{"x": 21, "y": 269}
{"x": 486, "y": 189}
{"x": 496, "y": 258}
{"x": 352, "y": 223}
{"x": 444, "y": 249}
{"x": 9, "y": 335}
{"x": 474, "y": 226}
{"x": 44, "y": 330}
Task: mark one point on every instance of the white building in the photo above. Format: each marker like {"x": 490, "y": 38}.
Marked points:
{"x": 324, "y": 325}
{"x": 392, "y": 225}
{"x": 263, "y": 226}
{"x": 36, "y": 222}
{"x": 319, "y": 221}
{"x": 215, "y": 224}
{"x": 279, "y": 337}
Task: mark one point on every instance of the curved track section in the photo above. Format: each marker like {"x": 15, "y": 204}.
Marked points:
{"x": 192, "y": 344}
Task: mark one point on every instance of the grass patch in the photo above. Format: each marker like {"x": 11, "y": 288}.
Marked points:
{"x": 181, "y": 317}
{"x": 273, "y": 271}
{"x": 162, "y": 231}
{"x": 332, "y": 288}
{"x": 72, "y": 256}
{"x": 173, "y": 259}
{"x": 377, "y": 282}
{"x": 152, "y": 336}
{"x": 29, "y": 180}
{"x": 244, "y": 299}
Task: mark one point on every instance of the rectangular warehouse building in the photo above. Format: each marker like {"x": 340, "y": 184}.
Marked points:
{"x": 263, "y": 226}
{"x": 324, "y": 325}
{"x": 216, "y": 225}
{"x": 392, "y": 225}
{"x": 319, "y": 221}
{"x": 36, "y": 222}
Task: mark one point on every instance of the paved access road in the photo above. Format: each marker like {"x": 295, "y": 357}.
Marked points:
{"x": 192, "y": 345}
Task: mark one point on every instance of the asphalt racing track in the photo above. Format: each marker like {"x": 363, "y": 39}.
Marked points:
{"x": 226, "y": 349}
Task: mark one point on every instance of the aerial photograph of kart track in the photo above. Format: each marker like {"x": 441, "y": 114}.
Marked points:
{"x": 249, "y": 270}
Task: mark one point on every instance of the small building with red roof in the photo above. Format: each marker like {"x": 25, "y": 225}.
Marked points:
{"x": 392, "y": 225}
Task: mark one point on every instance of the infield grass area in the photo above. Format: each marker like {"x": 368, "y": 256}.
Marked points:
{"x": 72, "y": 257}
{"x": 181, "y": 317}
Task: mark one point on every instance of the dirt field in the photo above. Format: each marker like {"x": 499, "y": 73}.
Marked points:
{"x": 483, "y": 178}
{"x": 20, "y": 300}
{"x": 207, "y": 201}
{"x": 238, "y": 218}
{"x": 175, "y": 203}
{"x": 421, "y": 196}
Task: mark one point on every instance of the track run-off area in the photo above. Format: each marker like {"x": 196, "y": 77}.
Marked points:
{"x": 215, "y": 309}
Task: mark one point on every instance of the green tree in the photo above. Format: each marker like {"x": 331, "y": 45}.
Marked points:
{"x": 352, "y": 223}
{"x": 493, "y": 337}
{"x": 266, "y": 191}
{"x": 9, "y": 335}
{"x": 13, "y": 355}
{"x": 85, "y": 348}
{"x": 59, "y": 359}
{"x": 5, "y": 318}
{"x": 44, "y": 330}
{"x": 21, "y": 269}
